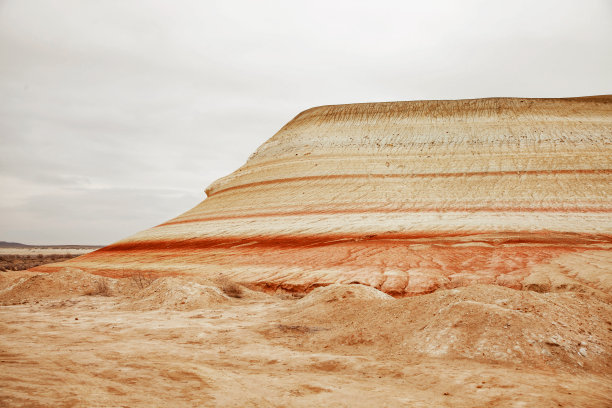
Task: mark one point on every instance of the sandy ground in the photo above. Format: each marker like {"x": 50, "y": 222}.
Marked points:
{"x": 180, "y": 342}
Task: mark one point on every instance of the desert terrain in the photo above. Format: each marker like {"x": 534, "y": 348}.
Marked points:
{"x": 423, "y": 253}
{"x": 72, "y": 339}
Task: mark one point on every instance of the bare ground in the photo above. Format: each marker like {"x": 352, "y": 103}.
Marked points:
{"x": 74, "y": 339}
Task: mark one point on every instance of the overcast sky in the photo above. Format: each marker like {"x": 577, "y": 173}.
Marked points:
{"x": 115, "y": 115}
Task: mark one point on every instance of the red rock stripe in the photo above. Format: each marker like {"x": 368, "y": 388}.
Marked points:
{"x": 241, "y": 243}
{"x": 414, "y": 175}
{"x": 387, "y": 211}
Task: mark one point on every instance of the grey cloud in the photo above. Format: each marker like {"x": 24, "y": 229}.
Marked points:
{"x": 124, "y": 111}
{"x": 98, "y": 216}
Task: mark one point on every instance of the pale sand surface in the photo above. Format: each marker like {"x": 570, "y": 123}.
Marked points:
{"x": 179, "y": 342}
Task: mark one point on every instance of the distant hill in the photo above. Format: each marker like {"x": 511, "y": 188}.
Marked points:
{"x": 5, "y": 244}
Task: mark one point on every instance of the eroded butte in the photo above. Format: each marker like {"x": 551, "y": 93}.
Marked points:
{"x": 406, "y": 197}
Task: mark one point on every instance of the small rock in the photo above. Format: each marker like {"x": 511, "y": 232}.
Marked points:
{"x": 582, "y": 351}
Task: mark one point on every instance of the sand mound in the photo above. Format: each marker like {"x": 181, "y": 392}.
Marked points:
{"x": 136, "y": 292}
{"x": 10, "y": 277}
{"x": 483, "y": 322}
{"x": 177, "y": 294}
{"x": 68, "y": 283}
{"x": 336, "y": 292}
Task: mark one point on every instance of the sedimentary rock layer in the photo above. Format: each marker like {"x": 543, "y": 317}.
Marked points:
{"x": 403, "y": 196}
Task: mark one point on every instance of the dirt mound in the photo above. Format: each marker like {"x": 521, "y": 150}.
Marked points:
{"x": 336, "y": 292}
{"x": 483, "y": 322}
{"x": 177, "y": 294}
{"x": 26, "y": 286}
{"x": 9, "y": 278}
{"x": 138, "y": 292}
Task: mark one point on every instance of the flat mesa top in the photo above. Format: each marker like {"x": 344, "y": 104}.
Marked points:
{"x": 454, "y": 109}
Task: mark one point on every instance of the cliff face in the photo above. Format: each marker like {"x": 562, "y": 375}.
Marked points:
{"x": 407, "y": 197}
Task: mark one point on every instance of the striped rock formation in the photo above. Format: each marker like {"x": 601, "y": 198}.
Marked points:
{"x": 406, "y": 197}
